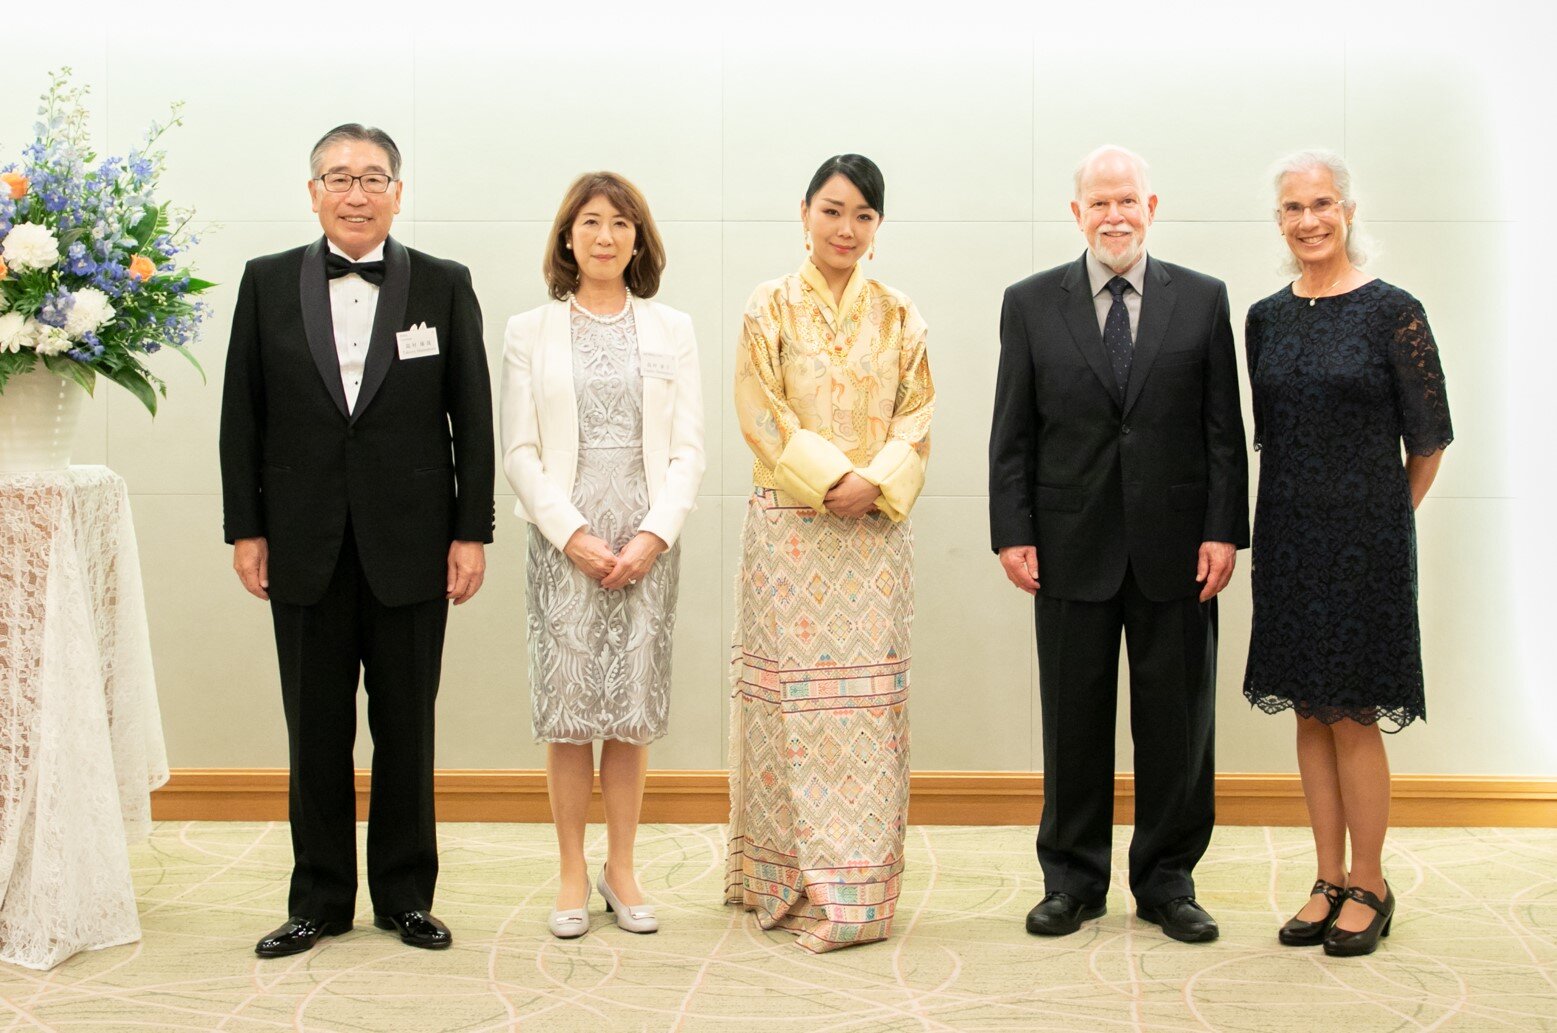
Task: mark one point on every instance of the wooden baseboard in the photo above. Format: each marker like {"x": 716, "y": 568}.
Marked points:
{"x": 935, "y": 798}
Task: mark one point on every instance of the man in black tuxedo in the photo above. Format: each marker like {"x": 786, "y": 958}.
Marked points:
{"x": 356, "y": 450}
{"x": 1118, "y": 497}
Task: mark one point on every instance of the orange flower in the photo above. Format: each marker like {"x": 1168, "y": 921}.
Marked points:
{"x": 4, "y": 272}
{"x": 141, "y": 268}
{"x": 17, "y": 183}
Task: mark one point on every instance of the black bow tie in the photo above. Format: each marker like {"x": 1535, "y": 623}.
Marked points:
{"x": 336, "y": 266}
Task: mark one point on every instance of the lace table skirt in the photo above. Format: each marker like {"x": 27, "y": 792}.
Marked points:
{"x": 81, "y": 743}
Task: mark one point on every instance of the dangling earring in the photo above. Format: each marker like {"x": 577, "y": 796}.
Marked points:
{"x": 871, "y": 255}
{"x": 807, "y": 238}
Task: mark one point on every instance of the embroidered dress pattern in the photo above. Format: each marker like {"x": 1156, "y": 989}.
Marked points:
{"x": 600, "y": 660}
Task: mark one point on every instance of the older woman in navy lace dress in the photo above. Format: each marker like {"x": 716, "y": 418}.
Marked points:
{"x": 1343, "y": 370}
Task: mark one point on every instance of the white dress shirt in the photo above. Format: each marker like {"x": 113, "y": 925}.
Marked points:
{"x": 1103, "y": 299}
{"x": 353, "y": 302}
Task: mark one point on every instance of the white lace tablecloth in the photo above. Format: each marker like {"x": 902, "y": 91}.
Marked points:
{"x": 81, "y": 744}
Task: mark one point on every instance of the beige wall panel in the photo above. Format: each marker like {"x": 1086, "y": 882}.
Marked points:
{"x": 1423, "y": 135}
{"x": 949, "y": 124}
{"x": 1458, "y": 271}
{"x": 520, "y": 132}
{"x": 969, "y": 706}
{"x": 252, "y": 112}
{"x": 962, "y": 309}
{"x": 1208, "y": 121}
{"x": 977, "y": 142}
{"x": 212, "y": 643}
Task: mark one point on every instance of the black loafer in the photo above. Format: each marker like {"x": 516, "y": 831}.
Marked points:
{"x": 1182, "y": 919}
{"x": 417, "y": 928}
{"x": 298, "y": 935}
{"x": 1060, "y": 914}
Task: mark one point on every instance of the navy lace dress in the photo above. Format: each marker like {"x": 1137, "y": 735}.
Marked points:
{"x": 1337, "y": 386}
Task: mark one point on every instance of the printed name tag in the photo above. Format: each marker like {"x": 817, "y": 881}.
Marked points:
{"x": 657, "y": 365}
{"x": 418, "y": 342}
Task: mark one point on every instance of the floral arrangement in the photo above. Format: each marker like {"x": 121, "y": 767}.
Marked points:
{"x": 88, "y": 280}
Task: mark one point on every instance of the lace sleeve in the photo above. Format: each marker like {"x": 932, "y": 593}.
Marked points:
{"x": 1251, "y": 347}
{"x": 1419, "y": 386}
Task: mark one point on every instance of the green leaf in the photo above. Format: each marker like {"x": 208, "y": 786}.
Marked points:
{"x": 146, "y": 228}
{"x": 70, "y": 369}
{"x": 135, "y": 382}
{"x": 14, "y": 364}
{"x": 186, "y": 353}
{"x": 196, "y": 286}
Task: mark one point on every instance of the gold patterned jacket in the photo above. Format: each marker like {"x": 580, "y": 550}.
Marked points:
{"x": 823, "y": 388}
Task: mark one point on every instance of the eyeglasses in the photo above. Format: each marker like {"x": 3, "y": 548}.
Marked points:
{"x": 340, "y": 182}
{"x": 1292, "y": 211}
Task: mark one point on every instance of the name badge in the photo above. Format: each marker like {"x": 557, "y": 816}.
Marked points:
{"x": 418, "y": 342}
{"x": 658, "y": 365}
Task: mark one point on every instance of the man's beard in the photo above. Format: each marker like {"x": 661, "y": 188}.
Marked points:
{"x": 1124, "y": 260}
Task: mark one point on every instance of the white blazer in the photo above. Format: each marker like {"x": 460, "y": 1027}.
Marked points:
{"x": 539, "y": 419}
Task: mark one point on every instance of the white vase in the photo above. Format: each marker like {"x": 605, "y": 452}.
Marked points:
{"x": 38, "y": 417}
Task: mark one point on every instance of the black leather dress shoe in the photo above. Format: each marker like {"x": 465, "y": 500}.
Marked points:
{"x": 1182, "y": 919}
{"x": 417, "y": 928}
{"x": 297, "y": 936}
{"x": 1060, "y": 914}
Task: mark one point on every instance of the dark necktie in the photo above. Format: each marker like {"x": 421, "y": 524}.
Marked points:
{"x": 336, "y": 266}
{"x": 1116, "y": 332}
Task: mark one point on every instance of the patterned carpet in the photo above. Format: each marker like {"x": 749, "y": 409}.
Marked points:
{"x": 1474, "y": 947}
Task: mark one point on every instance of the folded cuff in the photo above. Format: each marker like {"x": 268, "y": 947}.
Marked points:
{"x": 808, "y": 466}
{"x": 899, "y": 472}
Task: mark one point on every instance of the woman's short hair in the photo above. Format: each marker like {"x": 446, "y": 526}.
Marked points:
{"x": 860, "y": 171}
{"x": 643, "y": 269}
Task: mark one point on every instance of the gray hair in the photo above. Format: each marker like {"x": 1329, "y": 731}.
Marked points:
{"x": 360, "y": 132}
{"x": 1143, "y": 172}
{"x": 1358, "y": 244}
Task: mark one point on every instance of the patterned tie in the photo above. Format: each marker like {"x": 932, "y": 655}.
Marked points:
{"x": 1116, "y": 332}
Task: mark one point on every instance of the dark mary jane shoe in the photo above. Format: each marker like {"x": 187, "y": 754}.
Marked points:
{"x": 1300, "y": 932}
{"x": 1342, "y": 943}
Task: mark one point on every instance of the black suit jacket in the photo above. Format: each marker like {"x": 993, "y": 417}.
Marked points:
{"x": 410, "y": 466}
{"x": 1097, "y": 479}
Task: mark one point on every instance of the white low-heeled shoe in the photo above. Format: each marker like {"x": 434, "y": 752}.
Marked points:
{"x": 572, "y": 923}
{"x": 635, "y": 918}
{"x": 569, "y": 925}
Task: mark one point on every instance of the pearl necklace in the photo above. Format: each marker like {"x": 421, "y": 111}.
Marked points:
{"x": 597, "y": 317}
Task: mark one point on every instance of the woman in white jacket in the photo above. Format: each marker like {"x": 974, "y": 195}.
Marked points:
{"x": 602, "y": 426}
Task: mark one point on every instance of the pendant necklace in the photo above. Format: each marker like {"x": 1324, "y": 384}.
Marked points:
{"x": 1316, "y": 297}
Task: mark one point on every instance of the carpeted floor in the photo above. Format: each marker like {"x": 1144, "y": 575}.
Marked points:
{"x": 1474, "y": 947}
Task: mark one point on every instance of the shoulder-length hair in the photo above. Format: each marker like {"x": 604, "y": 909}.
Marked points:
{"x": 643, "y": 269}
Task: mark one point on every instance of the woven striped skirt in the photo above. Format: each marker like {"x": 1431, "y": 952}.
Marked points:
{"x": 819, "y": 721}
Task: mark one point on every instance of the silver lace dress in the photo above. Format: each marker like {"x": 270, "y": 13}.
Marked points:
{"x": 600, "y": 660}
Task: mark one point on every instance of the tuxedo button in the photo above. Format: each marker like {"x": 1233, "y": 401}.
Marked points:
{"x": 1125, "y": 429}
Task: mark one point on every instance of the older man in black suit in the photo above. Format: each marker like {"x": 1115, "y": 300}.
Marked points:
{"x": 356, "y": 449}
{"x": 1118, "y": 496}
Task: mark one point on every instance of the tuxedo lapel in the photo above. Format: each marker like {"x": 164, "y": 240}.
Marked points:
{"x": 387, "y": 320}
{"x": 1156, "y": 314}
{"x": 313, "y": 291}
{"x": 1081, "y": 318}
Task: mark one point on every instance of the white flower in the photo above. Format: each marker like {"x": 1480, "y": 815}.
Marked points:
{"x": 49, "y": 340}
{"x": 15, "y": 332}
{"x": 30, "y": 246}
{"x": 91, "y": 310}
